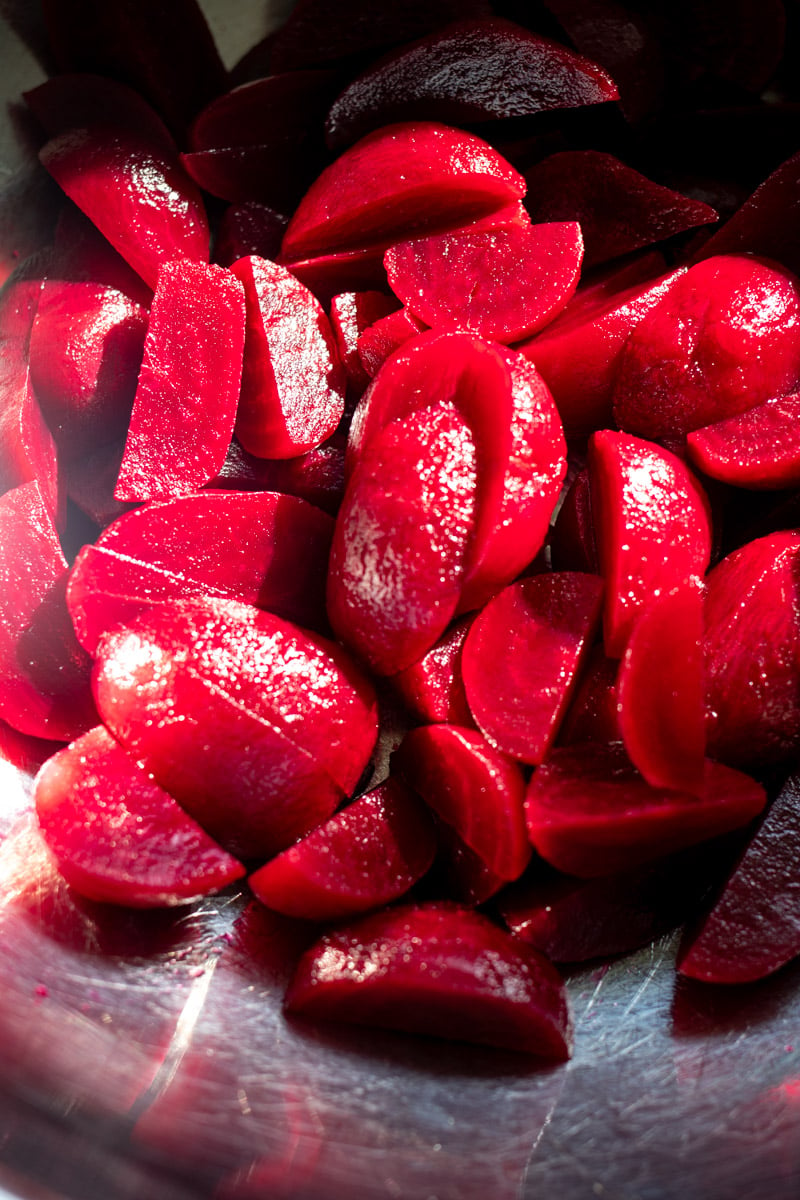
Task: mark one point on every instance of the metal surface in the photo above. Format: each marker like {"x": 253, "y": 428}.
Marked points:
{"x": 147, "y": 1056}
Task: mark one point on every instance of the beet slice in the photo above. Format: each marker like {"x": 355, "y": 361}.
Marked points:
{"x": 44, "y": 673}
{"x": 241, "y": 174}
{"x": 407, "y": 178}
{"x": 188, "y": 389}
{"x": 476, "y": 790}
{"x": 590, "y": 812}
{"x": 752, "y": 609}
{"x": 461, "y": 74}
{"x": 259, "y": 548}
{"x": 653, "y": 527}
{"x": 292, "y": 381}
{"x": 435, "y": 969}
{"x": 725, "y": 339}
{"x": 503, "y": 284}
{"x": 248, "y": 228}
{"x": 278, "y": 111}
{"x": 757, "y": 449}
{"x": 256, "y": 727}
{"x": 326, "y": 275}
{"x": 136, "y": 194}
{"x": 364, "y": 857}
{"x": 117, "y": 837}
{"x": 753, "y": 927}
{"x": 522, "y": 656}
{"x": 432, "y": 688}
{"x": 351, "y": 314}
{"x": 618, "y": 208}
{"x": 380, "y": 340}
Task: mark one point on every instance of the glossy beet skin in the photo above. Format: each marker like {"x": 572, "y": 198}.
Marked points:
{"x": 436, "y": 969}
{"x": 117, "y": 837}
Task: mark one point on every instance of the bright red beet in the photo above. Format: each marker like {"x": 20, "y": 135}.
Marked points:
{"x": 757, "y": 449}
{"x": 380, "y": 340}
{"x": 351, "y": 314}
{"x": 435, "y": 969}
{"x": 188, "y": 389}
{"x": 432, "y": 688}
{"x": 363, "y": 857}
{"x": 117, "y": 837}
{"x": 590, "y": 812}
{"x": 522, "y": 656}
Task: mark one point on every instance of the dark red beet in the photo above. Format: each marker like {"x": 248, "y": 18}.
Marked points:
{"x": 363, "y": 857}
{"x": 317, "y": 476}
{"x": 765, "y": 224}
{"x": 380, "y": 340}
{"x": 249, "y": 228}
{"x": 193, "y": 546}
{"x": 464, "y": 875}
{"x": 572, "y": 540}
{"x": 592, "y": 716}
{"x": 522, "y": 656}
{"x": 277, "y": 111}
{"x": 435, "y": 969}
{"x": 117, "y": 837}
{"x": 326, "y": 275}
{"x": 432, "y": 688}
{"x": 351, "y": 314}
{"x": 241, "y": 174}
{"x": 81, "y": 254}
{"x": 81, "y": 100}
{"x": 757, "y": 449}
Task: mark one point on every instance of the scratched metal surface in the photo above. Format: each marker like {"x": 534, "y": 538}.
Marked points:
{"x": 147, "y": 1056}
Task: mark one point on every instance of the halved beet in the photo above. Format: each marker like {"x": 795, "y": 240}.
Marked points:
{"x": 363, "y": 857}
{"x": 475, "y": 789}
{"x": 660, "y": 690}
{"x": 117, "y": 837}
{"x": 590, "y": 812}
{"x": 258, "y": 728}
{"x": 292, "y": 382}
{"x": 351, "y": 314}
{"x": 502, "y": 283}
{"x": 407, "y": 178}
{"x": 757, "y": 449}
{"x": 765, "y": 224}
{"x": 248, "y": 228}
{"x": 725, "y": 338}
{"x": 653, "y": 527}
{"x": 78, "y": 100}
{"x": 522, "y": 657}
{"x": 753, "y": 927}
{"x": 432, "y": 688}
{"x": 259, "y": 548}
{"x": 436, "y": 969}
{"x": 188, "y": 388}
{"x": 380, "y": 340}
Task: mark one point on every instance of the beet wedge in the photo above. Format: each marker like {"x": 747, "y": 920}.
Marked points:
{"x": 757, "y": 449}
{"x": 362, "y": 858}
{"x": 117, "y": 837}
{"x": 352, "y": 313}
{"x": 436, "y": 969}
{"x": 432, "y": 688}
{"x": 188, "y": 389}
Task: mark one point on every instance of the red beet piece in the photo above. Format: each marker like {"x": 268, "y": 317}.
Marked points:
{"x": 578, "y": 354}
{"x": 752, "y": 609}
{"x": 317, "y": 476}
{"x": 660, "y": 690}
{"x": 765, "y": 224}
{"x": 653, "y": 527}
{"x": 81, "y": 100}
{"x": 461, "y": 75}
{"x": 464, "y": 875}
{"x": 591, "y": 813}
{"x": 90, "y": 481}
{"x": 364, "y": 857}
{"x": 188, "y": 389}
{"x": 276, "y": 111}
{"x": 380, "y": 340}
{"x": 82, "y": 255}
{"x": 432, "y": 688}
{"x": 117, "y": 837}
{"x": 326, "y": 275}
{"x": 240, "y": 174}
{"x": 259, "y": 548}
{"x": 407, "y": 178}
{"x": 522, "y": 656}
{"x": 472, "y": 787}
{"x": 593, "y": 716}
{"x": 618, "y": 208}
{"x": 572, "y": 540}
{"x": 757, "y": 449}
{"x": 44, "y": 673}
{"x": 753, "y": 927}
{"x": 435, "y": 969}
{"x": 292, "y": 382}
{"x": 726, "y": 338}
{"x": 257, "y": 728}
{"x": 503, "y": 284}
{"x": 136, "y": 194}
{"x": 351, "y": 314}
{"x": 85, "y": 353}
{"x": 249, "y": 228}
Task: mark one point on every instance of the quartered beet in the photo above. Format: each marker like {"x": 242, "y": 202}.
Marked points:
{"x": 475, "y": 789}
{"x": 257, "y": 728}
{"x": 590, "y": 812}
{"x": 293, "y": 382}
{"x": 117, "y": 837}
{"x": 765, "y": 224}
{"x": 757, "y": 449}
{"x": 502, "y": 283}
{"x": 367, "y": 855}
{"x": 522, "y": 656}
{"x": 753, "y": 927}
{"x": 435, "y": 969}
{"x": 188, "y": 390}
{"x": 259, "y": 548}
{"x": 432, "y": 688}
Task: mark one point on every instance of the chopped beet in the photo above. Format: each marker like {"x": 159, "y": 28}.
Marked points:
{"x": 241, "y": 174}
{"x": 277, "y": 111}
{"x": 435, "y": 969}
{"x": 81, "y": 254}
{"x": 249, "y": 228}
{"x": 380, "y": 340}
{"x": 81, "y": 100}
{"x": 593, "y": 715}
{"x": 572, "y": 541}
{"x": 117, "y": 837}
{"x": 326, "y": 275}
{"x": 757, "y": 449}
{"x": 464, "y": 875}
{"x": 432, "y": 688}
{"x": 351, "y": 314}
{"x": 316, "y": 476}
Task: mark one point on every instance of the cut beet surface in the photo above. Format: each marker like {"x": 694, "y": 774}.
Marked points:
{"x": 590, "y": 812}
{"x": 593, "y": 715}
{"x": 27, "y": 450}
{"x": 351, "y": 314}
{"x": 259, "y": 548}
{"x": 363, "y": 857}
{"x": 117, "y": 837}
{"x": 757, "y": 449}
{"x": 465, "y": 877}
{"x": 436, "y": 969}
{"x": 380, "y": 340}
{"x": 432, "y": 688}
{"x": 80, "y": 100}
